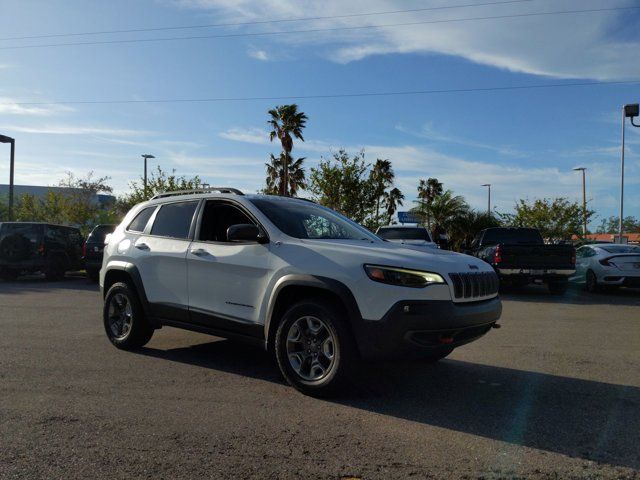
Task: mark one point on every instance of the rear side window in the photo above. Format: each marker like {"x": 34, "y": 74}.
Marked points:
{"x": 174, "y": 220}
{"x": 138, "y": 223}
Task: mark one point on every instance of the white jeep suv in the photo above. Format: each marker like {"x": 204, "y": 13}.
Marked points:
{"x": 318, "y": 290}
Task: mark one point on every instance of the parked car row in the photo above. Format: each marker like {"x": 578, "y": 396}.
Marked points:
{"x": 520, "y": 256}
{"x": 30, "y": 247}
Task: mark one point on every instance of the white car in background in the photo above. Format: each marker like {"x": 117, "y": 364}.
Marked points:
{"x": 608, "y": 264}
{"x": 409, "y": 236}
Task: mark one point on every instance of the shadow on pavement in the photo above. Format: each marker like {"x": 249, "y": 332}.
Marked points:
{"x": 578, "y": 418}
{"x": 576, "y": 295}
{"x": 37, "y": 283}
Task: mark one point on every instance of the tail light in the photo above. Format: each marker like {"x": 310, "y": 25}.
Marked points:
{"x": 497, "y": 254}
{"x": 84, "y": 249}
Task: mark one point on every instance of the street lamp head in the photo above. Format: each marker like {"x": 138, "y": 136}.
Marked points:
{"x": 632, "y": 110}
{"x": 146, "y": 155}
{"x": 580, "y": 169}
{"x": 485, "y": 185}
{"x": 5, "y": 139}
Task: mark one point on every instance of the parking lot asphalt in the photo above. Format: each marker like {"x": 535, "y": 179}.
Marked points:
{"x": 554, "y": 393}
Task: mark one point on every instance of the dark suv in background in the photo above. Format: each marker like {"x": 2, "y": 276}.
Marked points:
{"x": 28, "y": 247}
{"x": 93, "y": 249}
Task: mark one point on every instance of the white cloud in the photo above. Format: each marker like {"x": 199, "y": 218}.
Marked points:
{"x": 75, "y": 130}
{"x": 9, "y": 106}
{"x": 258, "y": 54}
{"x": 537, "y": 45}
{"x": 256, "y": 136}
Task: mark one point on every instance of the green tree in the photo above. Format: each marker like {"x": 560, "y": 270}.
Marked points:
{"x": 393, "y": 199}
{"x": 611, "y": 225}
{"x": 286, "y": 122}
{"x": 557, "y": 218}
{"x": 381, "y": 178}
{"x": 83, "y": 209}
{"x": 428, "y": 191}
{"x": 342, "y": 184}
{"x": 158, "y": 182}
{"x": 275, "y": 175}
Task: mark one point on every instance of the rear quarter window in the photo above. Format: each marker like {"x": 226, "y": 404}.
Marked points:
{"x": 140, "y": 221}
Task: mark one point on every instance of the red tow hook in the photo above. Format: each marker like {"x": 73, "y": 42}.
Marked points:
{"x": 445, "y": 340}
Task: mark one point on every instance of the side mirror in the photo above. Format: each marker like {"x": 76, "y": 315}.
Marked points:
{"x": 245, "y": 232}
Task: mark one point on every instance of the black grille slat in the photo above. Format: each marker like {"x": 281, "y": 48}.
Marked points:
{"x": 474, "y": 284}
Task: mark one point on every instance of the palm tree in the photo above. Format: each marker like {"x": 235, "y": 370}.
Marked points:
{"x": 276, "y": 175}
{"x": 465, "y": 226}
{"x": 381, "y": 178}
{"x": 393, "y": 200}
{"x": 445, "y": 209}
{"x": 428, "y": 191}
{"x": 286, "y": 122}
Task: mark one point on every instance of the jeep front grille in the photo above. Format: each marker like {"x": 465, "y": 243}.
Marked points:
{"x": 472, "y": 285}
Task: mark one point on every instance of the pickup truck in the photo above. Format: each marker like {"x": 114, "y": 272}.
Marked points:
{"x": 519, "y": 256}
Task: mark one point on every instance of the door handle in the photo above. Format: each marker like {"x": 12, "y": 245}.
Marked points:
{"x": 200, "y": 252}
{"x": 142, "y": 246}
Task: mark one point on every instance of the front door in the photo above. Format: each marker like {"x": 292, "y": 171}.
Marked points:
{"x": 226, "y": 280}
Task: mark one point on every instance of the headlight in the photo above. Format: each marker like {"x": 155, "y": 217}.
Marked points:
{"x": 402, "y": 277}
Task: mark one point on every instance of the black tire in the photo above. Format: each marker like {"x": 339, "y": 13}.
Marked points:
{"x": 15, "y": 248}
{"x": 344, "y": 357}
{"x": 139, "y": 331}
{"x": 591, "y": 283}
{"x": 93, "y": 275}
{"x": 56, "y": 266}
{"x": 8, "y": 274}
{"x": 558, "y": 287}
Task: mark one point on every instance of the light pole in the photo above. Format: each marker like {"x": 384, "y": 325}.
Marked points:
{"x": 146, "y": 156}
{"x": 12, "y": 141}
{"x": 584, "y": 199}
{"x": 628, "y": 111}
{"x": 489, "y": 197}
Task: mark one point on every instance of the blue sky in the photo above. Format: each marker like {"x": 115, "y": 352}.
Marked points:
{"x": 524, "y": 142}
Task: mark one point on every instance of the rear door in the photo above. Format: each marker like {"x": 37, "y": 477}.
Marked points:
{"x": 227, "y": 280}
{"x": 160, "y": 255}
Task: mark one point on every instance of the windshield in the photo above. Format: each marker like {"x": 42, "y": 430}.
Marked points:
{"x": 308, "y": 220}
{"x": 621, "y": 249}
{"x": 399, "y": 233}
{"x": 512, "y": 236}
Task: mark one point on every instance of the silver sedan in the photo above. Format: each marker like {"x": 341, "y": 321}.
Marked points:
{"x": 607, "y": 264}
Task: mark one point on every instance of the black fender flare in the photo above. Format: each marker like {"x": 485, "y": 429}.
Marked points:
{"x": 301, "y": 280}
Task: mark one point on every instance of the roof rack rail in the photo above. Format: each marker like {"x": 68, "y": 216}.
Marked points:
{"x": 235, "y": 191}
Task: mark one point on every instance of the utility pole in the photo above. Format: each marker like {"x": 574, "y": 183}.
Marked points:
{"x": 489, "y": 197}
{"x": 146, "y": 156}
{"x": 628, "y": 111}
{"x": 584, "y": 200}
{"x": 12, "y": 141}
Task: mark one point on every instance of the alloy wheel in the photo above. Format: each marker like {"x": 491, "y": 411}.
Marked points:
{"x": 311, "y": 348}
{"x": 120, "y": 316}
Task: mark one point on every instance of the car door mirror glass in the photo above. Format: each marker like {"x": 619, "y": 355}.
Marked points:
{"x": 245, "y": 232}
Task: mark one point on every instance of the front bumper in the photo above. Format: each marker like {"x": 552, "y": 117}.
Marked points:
{"x": 419, "y": 328}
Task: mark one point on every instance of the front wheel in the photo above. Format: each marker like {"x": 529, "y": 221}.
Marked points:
{"x": 125, "y": 323}
{"x": 314, "y": 347}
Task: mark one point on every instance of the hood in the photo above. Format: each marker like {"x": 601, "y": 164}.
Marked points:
{"x": 400, "y": 255}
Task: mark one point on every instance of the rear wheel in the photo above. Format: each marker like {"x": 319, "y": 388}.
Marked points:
{"x": 591, "y": 283}
{"x": 558, "y": 287}
{"x": 55, "y": 268}
{"x": 314, "y": 347}
{"x": 125, "y": 323}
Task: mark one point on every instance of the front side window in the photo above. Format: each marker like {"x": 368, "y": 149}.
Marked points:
{"x": 307, "y": 220}
{"x": 174, "y": 220}
{"x": 217, "y": 218}
{"x": 140, "y": 221}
